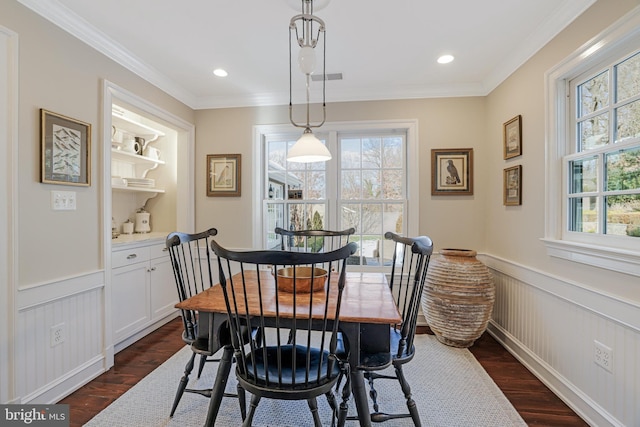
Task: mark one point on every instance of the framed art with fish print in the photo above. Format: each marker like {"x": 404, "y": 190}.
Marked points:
{"x": 65, "y": 150}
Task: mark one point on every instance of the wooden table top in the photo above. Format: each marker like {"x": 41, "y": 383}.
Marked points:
{"x": 366, "y": 298}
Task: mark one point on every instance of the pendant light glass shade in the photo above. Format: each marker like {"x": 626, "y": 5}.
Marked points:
{"x": 308, "y": 149}
{"x": 307, "y": 32}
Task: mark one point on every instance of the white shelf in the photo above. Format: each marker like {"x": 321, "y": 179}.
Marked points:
{"x": 137, "y": 189}
{"x": 132, "y": 124}
{"x": 134, "y": 158}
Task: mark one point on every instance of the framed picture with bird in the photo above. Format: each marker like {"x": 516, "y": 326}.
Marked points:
{"x": 452, "y": 171}
{"x": 512, "y": 137}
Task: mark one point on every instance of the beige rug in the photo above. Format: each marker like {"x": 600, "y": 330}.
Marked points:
{"x": 448, "y": 384}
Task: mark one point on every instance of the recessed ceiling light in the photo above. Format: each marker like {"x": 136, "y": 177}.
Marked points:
{"x": 445, "y": 59}
{"x": 220, "y": 72}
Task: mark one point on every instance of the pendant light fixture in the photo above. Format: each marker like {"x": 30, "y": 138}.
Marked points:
{"x": 308, "y": 30}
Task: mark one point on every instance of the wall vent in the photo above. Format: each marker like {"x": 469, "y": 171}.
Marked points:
{"x": 331, "y": 76}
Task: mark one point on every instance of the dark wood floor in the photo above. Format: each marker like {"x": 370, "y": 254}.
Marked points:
{"x": 537, "y": 405}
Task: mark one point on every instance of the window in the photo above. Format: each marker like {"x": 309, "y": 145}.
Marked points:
{"x": 364, "y": 186}
{"x": 593, "y": 138}
{"x": 372, "y": 191}
{"x": 603, "y": 194}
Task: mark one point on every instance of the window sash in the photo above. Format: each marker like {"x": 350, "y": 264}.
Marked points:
{"x": 611, "y": 252}
{"x": 332, "y": 203}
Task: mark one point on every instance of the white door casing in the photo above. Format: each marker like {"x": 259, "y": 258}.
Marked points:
{"x": 8, "y": 206}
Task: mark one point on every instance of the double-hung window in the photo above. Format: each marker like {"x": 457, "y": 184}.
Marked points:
{"x": 603, "y": 194}
{"x": 593, "y": 146}
{"x": 365, "y": 186}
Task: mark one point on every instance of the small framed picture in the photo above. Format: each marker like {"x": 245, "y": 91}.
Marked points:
{"x": 512, "y": 135}
{"x": 223, "y": 175}
{"x": 512, "y": 193}
{"x": 65, "y": 154}
{"x": 452, "y": 171}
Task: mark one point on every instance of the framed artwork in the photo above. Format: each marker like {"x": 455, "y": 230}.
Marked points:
{"x": 223, "y": 175}
{"x": 512, "y": 135}
{"x": 452, "y": 171}
{"x": 512, "y": 193}
{"x": 65, "y": 154}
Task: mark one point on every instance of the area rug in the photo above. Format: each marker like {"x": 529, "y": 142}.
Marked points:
{"x": 449, "y": 385}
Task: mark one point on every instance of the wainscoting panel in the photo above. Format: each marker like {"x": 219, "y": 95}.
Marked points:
{"x": 47, "y": 371}
{"x": 551, "y": 325}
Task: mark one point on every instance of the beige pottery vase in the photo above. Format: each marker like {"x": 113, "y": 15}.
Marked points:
{"x": 458, "y": 297}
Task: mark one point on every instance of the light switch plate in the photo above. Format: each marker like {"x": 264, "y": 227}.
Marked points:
{"x": 63, "y": 200}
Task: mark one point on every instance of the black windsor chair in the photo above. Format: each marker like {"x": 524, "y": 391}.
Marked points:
{"x": 313, "y": 240}
{"x": 190, "y": 259}
{"x": 306, "y": 367}
{"x": 411, "y": 258}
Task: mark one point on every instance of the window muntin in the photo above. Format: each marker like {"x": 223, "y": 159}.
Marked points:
{"x": 372, "y": 181}
{"x": 369, "y": 193}
{"x": 615, "y": 253}
{"x": 295, "y": 193}
{"x": 603, "y": 194}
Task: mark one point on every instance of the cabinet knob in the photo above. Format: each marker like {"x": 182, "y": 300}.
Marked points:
{"x": 132, "y": 256}
{"x": 153, "y": 269}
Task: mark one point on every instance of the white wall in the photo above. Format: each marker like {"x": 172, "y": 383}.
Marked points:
{"x": 8, "y": 162}
{"x": 549, "y": 311}
{"x": 442, "y": 123}
{"x": 55, "y": 272}
{"x": 531, "y": 319}
{"x": 542, "y": 302}
{"x": 550, "y": 323}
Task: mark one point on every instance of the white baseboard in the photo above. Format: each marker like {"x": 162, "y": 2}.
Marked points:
{"x": 144, "y": 332}
{"x": 580, "y": 403}
{"x": 64, "y": 386}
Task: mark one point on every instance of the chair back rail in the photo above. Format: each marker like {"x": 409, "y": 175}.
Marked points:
{"x": 190, "y": 260}
{"x": 411, "y": 257}
{"x": 408, "y": 275}
{"x": 275, "y": 366}
{"x": 313, "y": 240}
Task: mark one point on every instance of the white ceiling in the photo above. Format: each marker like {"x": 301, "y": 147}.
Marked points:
{"x": 384, "y": 49}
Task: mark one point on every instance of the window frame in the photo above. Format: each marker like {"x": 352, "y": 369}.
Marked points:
{"x": 604, "y": 251}
{"x": 331, "y": 131}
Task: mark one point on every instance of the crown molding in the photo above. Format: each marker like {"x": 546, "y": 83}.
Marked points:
{"x": 70, "y": 22}
{"x": 67, "y": 20}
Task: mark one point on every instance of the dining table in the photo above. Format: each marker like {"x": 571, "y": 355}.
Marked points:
{"x": 367, "y": 310}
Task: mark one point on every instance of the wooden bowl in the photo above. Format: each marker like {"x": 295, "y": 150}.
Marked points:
{"x": 303, "y": 279}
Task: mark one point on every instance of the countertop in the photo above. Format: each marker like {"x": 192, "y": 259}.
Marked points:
{"x": 144, "y": 238}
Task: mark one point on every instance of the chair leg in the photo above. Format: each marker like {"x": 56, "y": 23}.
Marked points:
{"x": 242, "y": 399}
{"x": 406, "y": 389}
{"x": 313, "y": 405}
{"x": 183, "y": 383}
{"x": 344, "y": 407}
{"x": 252, "y": 411}
{"x": 203, "y": 361}
{"x": 373, "y": 393}
{"x": 219, "y": 384}
{"x": 331, "y": 399}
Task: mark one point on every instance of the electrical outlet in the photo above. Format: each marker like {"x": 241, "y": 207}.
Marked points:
{"x": 63, "y": 200}
{"x": 57, "y": 334}
{"x": 603, "y": 356}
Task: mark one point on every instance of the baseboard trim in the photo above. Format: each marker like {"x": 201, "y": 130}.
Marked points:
{"x": 144, "y": 332}
{"x": 580, "y": 403}
{"x": 67, "y": 384}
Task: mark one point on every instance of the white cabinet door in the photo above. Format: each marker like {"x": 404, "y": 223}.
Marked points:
{"x": 164, "y": 295}
{"x": 130, "y": 299}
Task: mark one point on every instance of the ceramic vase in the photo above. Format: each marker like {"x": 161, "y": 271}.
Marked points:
{"x": 458, "y": 297}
